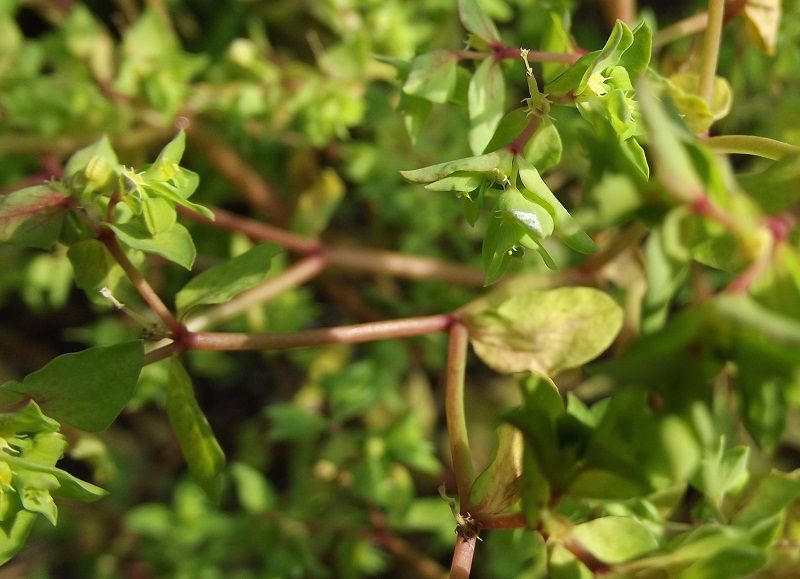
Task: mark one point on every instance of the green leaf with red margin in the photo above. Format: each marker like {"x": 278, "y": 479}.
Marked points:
{"x": 32, "y": 217}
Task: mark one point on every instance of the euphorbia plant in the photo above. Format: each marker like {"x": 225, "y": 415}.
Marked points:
{"x": 650, "y": 252}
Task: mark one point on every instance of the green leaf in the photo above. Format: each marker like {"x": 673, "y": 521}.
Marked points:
{"x": 479, "y": 164}
{"x": 92, "y": 167}
{"x": 32, "y": 217}
{"x": 199, "y": 446}
{"x": 544, "y": 148}
{"x": 562, "y": 564}
{"x": 69, "y": 487}
{"x": 476, "y": 21}
{"x": 510, "y": 126}
{"x": 601, "y": 484}
{"x": 614, "y": 540}
{"x": 683, "y": 90}
{"x": 86, "y": 389}
{"x": 220, "y": 283}
{"x": 416, "y": 111}
{"x": 501, "y": 236}
{"x": 556, "y": 39}
{"x": 545, "y": 331}
{"x": 14, "y": 532}
{"x": 182, "y": 185}
{"x": 568, "y": 80}
{"x": 172, "y": 153}
{"x": 496, "y": 488}
{"x": 432, "y": 76}
{"x": 745, "y": 313}
{"x": 618, "y": 42}
{"x": 774, "y": 493}
{"x": 92, "y": 266}
{"x": 531, "y": 215}
{"x": 723, "y": 472}
{"x": 637, "y": 56}
{"x": 566, "y": 227}
{"x": 289, "y": 422}
{"x": 486, "y": 99}
{"x": 174, "y": 244}
{"x": 159, "y": 214}
{"x": 460, "y": 181}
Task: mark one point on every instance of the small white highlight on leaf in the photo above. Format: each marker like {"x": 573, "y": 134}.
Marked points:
{"x": 529, "y": 220}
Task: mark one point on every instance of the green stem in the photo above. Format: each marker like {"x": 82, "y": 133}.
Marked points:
{"x": 463, "y": 468}
{"x": 694, "y": 24}
{"x": 752, "y": 145}
{"x": 711, "y": 42}
{"x": 355, "y": 334}
{"x": 296, "y": 275}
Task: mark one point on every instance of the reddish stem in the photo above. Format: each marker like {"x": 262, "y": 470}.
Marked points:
{"x": 147, "y": 293}
{"x": 346, "y": 257}
{"x": 230, "y": 164}
{"x": 462, "y": 558}
{"x": 354, "y": 334}
{"x": 517, "y": 146}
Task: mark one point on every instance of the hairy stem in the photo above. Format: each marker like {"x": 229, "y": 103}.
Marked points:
{"x": 752, "y": 145}
{"x": 296, "y": 275}
{"x": 462, "y": 558}
{"x": 463, "y": 468}
{"x": 355, "y": 334}
{"x": 145, "y": 290}
{"x": 711, "y": 42}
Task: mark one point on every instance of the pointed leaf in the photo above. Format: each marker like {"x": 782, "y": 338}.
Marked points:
{"x": 495, "y": 489}
{"x": 174, "y": 244}
{"x": 86, "y": 389}
{"x": 220, "y": 283}
{"x": 479, "y": 164}
{"x": 476, "y": 21}
{"x": 199, "y": 446}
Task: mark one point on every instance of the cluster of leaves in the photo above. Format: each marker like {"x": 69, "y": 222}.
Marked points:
{"x": 658, "y": 463}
